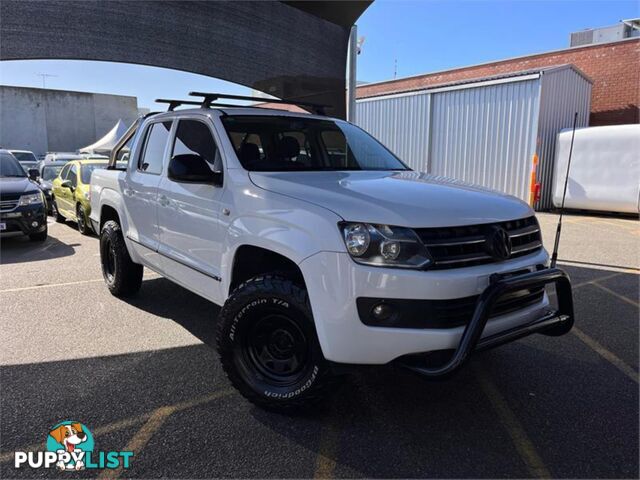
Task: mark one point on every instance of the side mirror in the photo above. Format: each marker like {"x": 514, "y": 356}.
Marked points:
{"x": 67, "y": 184}
{"x": 33, "y": 173}
{"x": 192, "y": 168}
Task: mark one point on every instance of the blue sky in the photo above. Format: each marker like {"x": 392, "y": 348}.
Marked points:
{"x": 422, "y": 35}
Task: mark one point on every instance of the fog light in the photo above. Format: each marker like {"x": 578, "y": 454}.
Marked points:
{"x": 34, "y": 224}
{"x": 382, "y": 312}
{"x": 390, "y": 250}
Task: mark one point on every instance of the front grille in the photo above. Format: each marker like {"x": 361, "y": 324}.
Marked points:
{"x": 458, "y": 313}
{"x": 456, "y": 247}
{"x": 8, "y": 205}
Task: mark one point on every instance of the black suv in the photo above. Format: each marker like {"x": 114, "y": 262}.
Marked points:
{"x": 22, "y": 203}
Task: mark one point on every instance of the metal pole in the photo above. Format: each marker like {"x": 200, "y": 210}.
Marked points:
{"x": 352, "y": 58}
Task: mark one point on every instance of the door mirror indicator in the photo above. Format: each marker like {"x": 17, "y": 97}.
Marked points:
{"x": 193, "y": 168}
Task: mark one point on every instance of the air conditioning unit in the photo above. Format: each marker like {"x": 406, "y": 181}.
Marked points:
{"x": 613, "y": 33}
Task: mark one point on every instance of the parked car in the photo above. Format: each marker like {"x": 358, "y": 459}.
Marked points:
{"x": 22, "y": 203}
{"x": 70, "y": 192}
{"x": 47, "y": 172}
{"x": 24, "y": 156}
{"x": 26, "y": 166}
{"x": 322, "y": 247}
{"x": 61, "y": 156}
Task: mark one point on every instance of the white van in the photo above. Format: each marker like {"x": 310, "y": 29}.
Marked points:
{"x": 605, "y": 169}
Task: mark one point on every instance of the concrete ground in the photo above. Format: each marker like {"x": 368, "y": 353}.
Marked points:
{"x": 142, "y": 376}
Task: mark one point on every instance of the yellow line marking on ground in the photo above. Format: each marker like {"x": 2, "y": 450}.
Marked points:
{"x": 141, "y": 438}
{"x": 612, "y": 268}
{"x": 327, "y": 449}
{"x": 518, "y": 435}
{"x": 617, "y": 295}
{"x": 599, "y": 279}
{"x": 64, "y": 284}
{"x": 50, "y": 285}
{"x": 606, "y": 354}
{"x": 590, "y": 282}
{"x": 132, "y": 421}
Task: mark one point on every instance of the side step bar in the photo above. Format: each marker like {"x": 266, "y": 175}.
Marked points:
{"x": 554, "y": 322}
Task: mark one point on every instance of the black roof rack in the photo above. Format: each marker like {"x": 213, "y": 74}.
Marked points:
{"x": 176, "y": 103}
{"x": 208, "y": 98}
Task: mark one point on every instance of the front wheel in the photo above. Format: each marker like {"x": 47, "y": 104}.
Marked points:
{"x": 55, "y": 212}
{"x": 122, "y": 276}
{"x": 39, "y": 237}
{"x": 268, "y": 345}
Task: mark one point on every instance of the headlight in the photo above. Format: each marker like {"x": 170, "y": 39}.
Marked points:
{"x": 384, "y": 246}
{"x": 31, "y": 199}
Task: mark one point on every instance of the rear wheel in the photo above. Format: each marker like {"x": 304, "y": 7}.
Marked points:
{"x": 81, "y": 219}
{"x": 268, "y": 345}
{"x": 122, "y": 276}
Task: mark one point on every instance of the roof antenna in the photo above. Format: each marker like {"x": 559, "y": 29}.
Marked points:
{"x": 554, "y": 255}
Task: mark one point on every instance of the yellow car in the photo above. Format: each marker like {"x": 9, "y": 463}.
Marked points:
{"x": 70, "y": 195}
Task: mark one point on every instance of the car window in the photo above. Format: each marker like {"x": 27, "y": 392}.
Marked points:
{"x": 9, "y": 166}
{"x": 294, "y": 143}
{"x": 73, "y": 175}
{"x": 152, "y": 158}
{"x": 49, "y": 172}
{"x": 122, "y": 155}
{"x": 87, "y": 168}
{"x": 65, "y": 172}
{"x": 25, "y": 156}
{"x": 194, "y": 137}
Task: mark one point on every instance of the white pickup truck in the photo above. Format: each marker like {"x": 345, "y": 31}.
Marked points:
{"x": 322, "y": 248}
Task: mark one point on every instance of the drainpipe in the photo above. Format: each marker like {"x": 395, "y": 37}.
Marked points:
{"x": 352, "y": 57}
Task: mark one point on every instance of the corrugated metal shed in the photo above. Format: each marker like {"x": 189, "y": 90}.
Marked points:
{"x": 483, "y": 131}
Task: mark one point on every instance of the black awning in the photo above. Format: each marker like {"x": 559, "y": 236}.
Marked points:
{"x": 292, "y": 50}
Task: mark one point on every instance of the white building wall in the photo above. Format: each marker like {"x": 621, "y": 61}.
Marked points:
{"x": 43, "y": 120}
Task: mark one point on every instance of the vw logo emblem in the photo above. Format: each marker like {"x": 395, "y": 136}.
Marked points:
{"x": 498, "y": 243}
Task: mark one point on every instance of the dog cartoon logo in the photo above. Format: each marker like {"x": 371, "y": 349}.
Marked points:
{"x": 71, "y": 440}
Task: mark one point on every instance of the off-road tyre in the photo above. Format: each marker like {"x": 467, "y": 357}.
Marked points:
{"x": 267, "y": 325}
{"x": 122, "y": 276}
{"x": 55, "y": 212}
{"x": 81, "y": 220}
{"x": 39, "y": 237}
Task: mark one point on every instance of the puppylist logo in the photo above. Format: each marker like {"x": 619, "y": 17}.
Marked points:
{"x": 70, "y": 447}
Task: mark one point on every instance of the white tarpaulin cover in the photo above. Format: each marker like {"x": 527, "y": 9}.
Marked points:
{"x": 605, "y": 169}
{"x": 106, "y": 143}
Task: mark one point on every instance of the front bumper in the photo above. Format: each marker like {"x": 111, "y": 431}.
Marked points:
{"x": 554, "y": 321}
{"x": 334, "y": 282}
{"x": 22, "y": 219}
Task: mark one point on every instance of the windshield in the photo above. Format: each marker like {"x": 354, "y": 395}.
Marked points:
{"x": 273, "y": 144}
{"x": 87, "y": 168}
{"x": 25, "y": 156}
{"x": 9, "y": 166}
{"x": 51, "y": 172}
{"x": 27, "y": 165}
